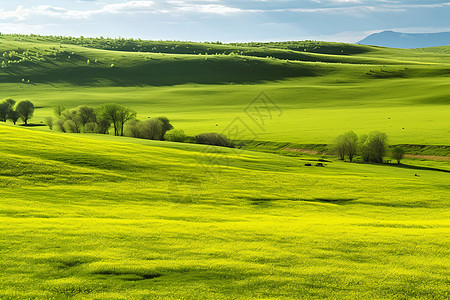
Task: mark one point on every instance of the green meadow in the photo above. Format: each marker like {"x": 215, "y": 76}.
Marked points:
{"x": 87, "y": 216}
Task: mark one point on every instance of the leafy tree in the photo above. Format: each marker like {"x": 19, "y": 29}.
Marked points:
{"x": 373, "y": 147}
{"x": 109, "y": 112}
{"x": 346, "y": 144}
{"x": 26, "y": 110}
{"x": 339, "y": 147}
{"x": 397, "y": 153}
{"x": 5, "y": 108}
{"x": 13, "y": 115}
{"x": 118, "y": 115}
{"x": 350, "y": 144}
{"x": 124, "y": 115}
{"x": 86, "y": 114}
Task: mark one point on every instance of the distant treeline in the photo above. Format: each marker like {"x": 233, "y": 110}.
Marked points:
{"x": 186, "y": 47}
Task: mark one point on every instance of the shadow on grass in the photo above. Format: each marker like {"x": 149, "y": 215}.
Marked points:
{"x": 32, "y": 125}
{"x": 417, "y": 168}
{"x": 261, "y": 200}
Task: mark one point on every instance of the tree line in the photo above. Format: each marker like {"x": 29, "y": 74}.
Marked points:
{"x": 372, "y": 148}
{"x": 23, "y": 110}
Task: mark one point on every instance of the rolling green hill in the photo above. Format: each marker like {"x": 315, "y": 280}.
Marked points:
{"x": 88, "y": 216}
{"x": 401, "y": 92}
{"x": 98, "y": 217}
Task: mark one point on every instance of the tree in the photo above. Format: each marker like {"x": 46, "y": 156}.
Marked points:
{"x": 5, "y": 108}
{"x": 373, "y": 147}
{"x": 118, "y": 115}
{"x": 339, "y": 147}
{"x": 124, "y": 114}
{"x": 25, "y": 109}
{"x": 350, "y": 144}
{"x": 13, "y": 116}
{"x": 109, "y": 113}
{"x": 397, "y": 153}
{"x": 86, "y": 115}
{"x": 346, "y": 144}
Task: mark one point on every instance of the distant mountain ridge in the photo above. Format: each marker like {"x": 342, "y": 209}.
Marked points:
{"x": 407, "y": 40}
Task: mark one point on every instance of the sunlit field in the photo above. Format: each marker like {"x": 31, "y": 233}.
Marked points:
{"x": 89, "y": 216}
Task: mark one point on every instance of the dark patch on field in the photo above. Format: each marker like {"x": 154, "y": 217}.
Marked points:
{"x": 260, "y": 200}
{"x": 129, "y": 276}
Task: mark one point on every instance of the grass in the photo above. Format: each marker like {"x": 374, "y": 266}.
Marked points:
{"x": 103, "y": 217}
{"x": 401, "y": 92}
{"x": 89, "y": 216}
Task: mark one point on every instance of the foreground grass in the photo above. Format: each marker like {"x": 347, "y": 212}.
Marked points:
{"x": 95, "y": 217}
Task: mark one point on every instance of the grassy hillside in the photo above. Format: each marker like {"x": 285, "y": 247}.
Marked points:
{"x": 96, "y": 217}
{"x": 401, "y": 92}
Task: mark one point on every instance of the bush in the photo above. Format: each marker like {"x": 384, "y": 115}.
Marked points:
{"x": 132, "y": 129}
{"x": 215, "y": 139}
{"x": 152, "y": 129}
{"x": 176, "y": 135}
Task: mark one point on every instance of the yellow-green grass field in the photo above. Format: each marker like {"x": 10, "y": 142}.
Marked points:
{"x": 97, "y": 217}
{"x": 88, "y": 216}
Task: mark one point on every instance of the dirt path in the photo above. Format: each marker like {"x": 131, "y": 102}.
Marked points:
{"x": 428, "y": 157}
{"x": 306, "y": 151}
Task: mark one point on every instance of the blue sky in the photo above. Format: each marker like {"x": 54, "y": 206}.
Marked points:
{"x": 224, "y": 20}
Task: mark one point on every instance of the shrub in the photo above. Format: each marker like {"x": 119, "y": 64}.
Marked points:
{"x": 132, "y": 129}
{"x": 215, "y": 139}
{"x": 151, "y": 129}
{"x": 176, "y": 135}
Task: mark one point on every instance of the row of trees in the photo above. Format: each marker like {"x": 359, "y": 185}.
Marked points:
{"x": 24, "y": 110}
{"x": 372, "y": 148}
{"x": 87, "y": 119}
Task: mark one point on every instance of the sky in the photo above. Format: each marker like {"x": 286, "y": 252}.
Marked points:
{"x": 224, "y": 20}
